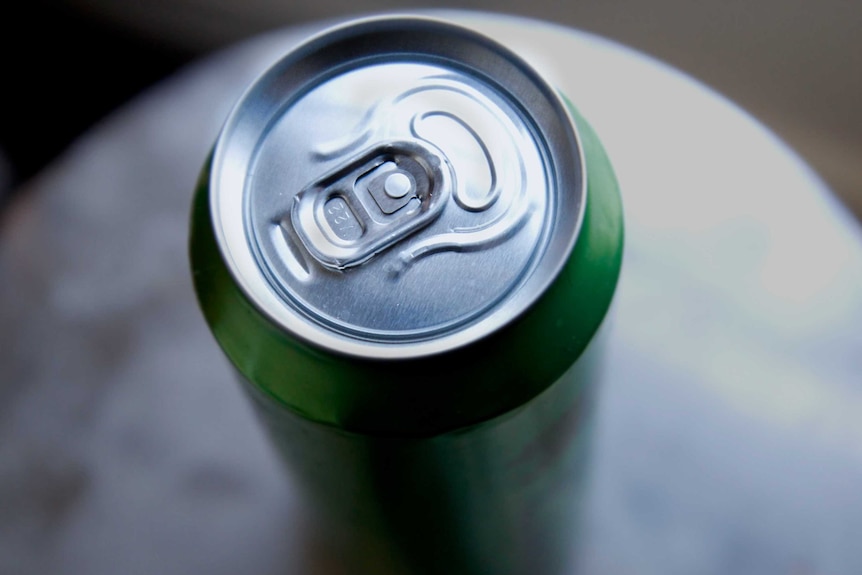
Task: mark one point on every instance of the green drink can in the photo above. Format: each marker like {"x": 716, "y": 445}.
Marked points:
{"x": 406, "y": 242}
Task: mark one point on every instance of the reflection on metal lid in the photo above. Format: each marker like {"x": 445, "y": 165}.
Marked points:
{"x": 397, "y": 183}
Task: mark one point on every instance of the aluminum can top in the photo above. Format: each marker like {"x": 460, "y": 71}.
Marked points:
{"x": 397, "y": 187}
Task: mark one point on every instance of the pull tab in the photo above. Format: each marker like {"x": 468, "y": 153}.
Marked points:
{"x": 371, "y": 202}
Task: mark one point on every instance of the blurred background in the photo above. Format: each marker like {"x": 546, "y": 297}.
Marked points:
{"x": 794, "y": 64}
{"x": 730, "y": 438}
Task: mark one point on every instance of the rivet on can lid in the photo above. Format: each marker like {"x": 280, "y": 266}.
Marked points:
{"x": 397, "y": 185}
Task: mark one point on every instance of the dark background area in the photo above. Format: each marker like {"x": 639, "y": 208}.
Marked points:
{"x": 64, "y": 70}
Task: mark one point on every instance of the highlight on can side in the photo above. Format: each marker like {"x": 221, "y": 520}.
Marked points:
{"x": 406, "y": 241}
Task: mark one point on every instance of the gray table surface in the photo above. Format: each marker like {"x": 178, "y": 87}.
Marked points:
{"x": 729, "y": 431}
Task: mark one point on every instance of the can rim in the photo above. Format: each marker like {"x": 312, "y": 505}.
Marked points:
{"x": 227, "y": 220}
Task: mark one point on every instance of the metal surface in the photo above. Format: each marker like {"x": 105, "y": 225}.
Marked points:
{"x": 324, "y": 240}
{"x": 727, "y": 432}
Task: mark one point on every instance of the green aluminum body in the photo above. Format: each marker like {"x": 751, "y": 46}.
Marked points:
{"x": 466, "y": 462}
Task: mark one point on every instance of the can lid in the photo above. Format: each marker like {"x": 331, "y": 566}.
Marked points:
{"x": 397, "y": 187}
